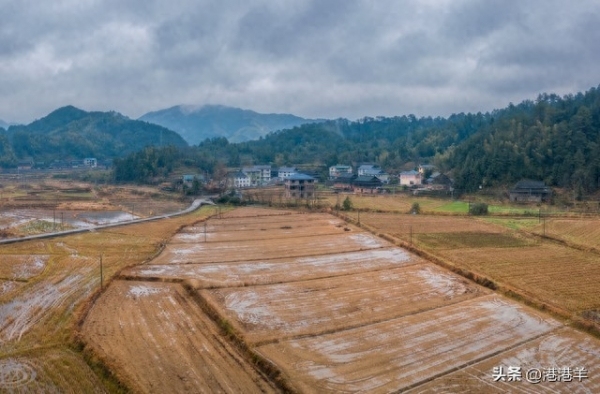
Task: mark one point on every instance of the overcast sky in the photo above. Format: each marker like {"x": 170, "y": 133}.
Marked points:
{"x": 321, "y": 58}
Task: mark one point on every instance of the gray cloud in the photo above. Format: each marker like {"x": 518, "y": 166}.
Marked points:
{"x": 312, "y": 58}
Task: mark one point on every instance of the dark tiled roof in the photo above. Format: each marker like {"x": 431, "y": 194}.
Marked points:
{"x": 527, "y": 184}
{"x": 300, "y": 177}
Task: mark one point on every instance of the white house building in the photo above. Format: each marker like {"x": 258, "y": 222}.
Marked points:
{"x": 259, "y": 175}
{"x": 240, "y": 180}
{"x": 409, "y": 178}
{"x": 90, "y": 162}
{"x": 286, "y": 172}
{"x": 339, "y": 170}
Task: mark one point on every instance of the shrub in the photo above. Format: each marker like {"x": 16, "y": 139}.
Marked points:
{"x": 415, "y": 209}
{"x": 347, "y": 204}
{"x": 478, "y": 209}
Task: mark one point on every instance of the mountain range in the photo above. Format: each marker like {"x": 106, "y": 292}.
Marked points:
{"x": 72, "y": 133}
{"x": 197, "y": 123}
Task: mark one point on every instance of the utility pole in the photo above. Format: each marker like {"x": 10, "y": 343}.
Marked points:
{"x": 101, "y": 275}
{"x": 544, "y": 226}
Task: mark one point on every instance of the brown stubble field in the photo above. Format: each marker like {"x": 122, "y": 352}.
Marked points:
{"x": 584, "y": 232}
{"x": 44, "y": 289}
{"x": 328, "y": 312}
{"x": 549, "y": 272}
{"x": 158, "y": 340}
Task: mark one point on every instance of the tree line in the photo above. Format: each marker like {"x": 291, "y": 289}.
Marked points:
{"x": 554, "y": 139}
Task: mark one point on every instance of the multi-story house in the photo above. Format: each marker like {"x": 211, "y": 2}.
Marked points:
{"x": 259, "y": 175}
{"x": 339, "y": 170}
{"x": 300, "y": 186}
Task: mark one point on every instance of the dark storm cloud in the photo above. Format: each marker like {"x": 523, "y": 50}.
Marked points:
{"x": 313, "y": 58}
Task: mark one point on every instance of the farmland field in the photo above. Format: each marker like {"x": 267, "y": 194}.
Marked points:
{"x": 303, "y": 302}
{"x": 584, "y": 231}
{"x": 44, "y": 288}
{"x": 559, "y": 275}
{"x": 182, "y": 348}
{"x": 402, "y": 203}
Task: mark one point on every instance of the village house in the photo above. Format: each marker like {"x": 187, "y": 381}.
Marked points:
{"x": 530, "y": 191}
{"x": 259, "y": 175}
{"x": 25, "y": 164}
{"x": 439, "y": 181}
{"x": 338, "y": 170}
{"x": 425, "y": 168}
{"x": 90, "y": 162}
{"x": 343, "y": 182}
{"x": 366, "y": 184}
{"x": 410, "y": 178}
{"x": 300, "y": 185}
{"x": 286, "y": 172}
{"x": 188, "y": 179}
{"x": 373, "y": 170}
{"x": 239, "y": 180}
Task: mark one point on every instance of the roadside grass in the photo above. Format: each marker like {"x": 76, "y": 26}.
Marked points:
{"x": 36, "y": 227}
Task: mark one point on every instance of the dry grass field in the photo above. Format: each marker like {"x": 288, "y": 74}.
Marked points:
{"x": 388, "y": 203}
{"x": 334, "y": 309}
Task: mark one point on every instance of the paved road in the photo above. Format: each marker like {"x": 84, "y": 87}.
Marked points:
{"x": 195, "y": 205}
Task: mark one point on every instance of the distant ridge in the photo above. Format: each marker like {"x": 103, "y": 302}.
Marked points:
{"x": 196, "y": 123}
{"x": 4, "y": 125}
{"x": 70, "y": 132}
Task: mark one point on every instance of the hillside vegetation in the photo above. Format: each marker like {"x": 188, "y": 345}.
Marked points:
{"x": 554, "y": 139}
{"x": 70, "y": 133}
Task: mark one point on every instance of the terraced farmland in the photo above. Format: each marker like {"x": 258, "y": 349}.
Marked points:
{"x": 286, "y": 301}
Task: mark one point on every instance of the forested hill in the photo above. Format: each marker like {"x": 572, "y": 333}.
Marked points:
{"x": 71, "y": 133}
{"x": 394, "y": 143}
{"x": 554, "y": 139}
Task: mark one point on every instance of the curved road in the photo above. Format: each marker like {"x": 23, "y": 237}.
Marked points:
{"x": 195, "y": 205}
